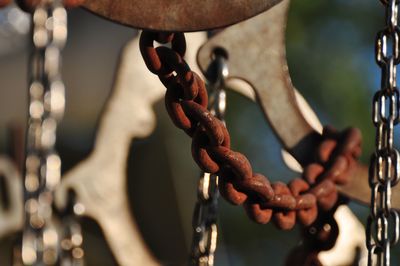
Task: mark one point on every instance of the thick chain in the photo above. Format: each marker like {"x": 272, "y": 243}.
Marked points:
{"x": 205, "y": 230}
{"x": 383, "y": 221}
{"x": 46, "y": 107}
{"x": 186, "y": 102}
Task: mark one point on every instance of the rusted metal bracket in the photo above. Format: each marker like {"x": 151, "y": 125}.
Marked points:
{"x": 262, "y": 39}
{"x": 178, "y": 15}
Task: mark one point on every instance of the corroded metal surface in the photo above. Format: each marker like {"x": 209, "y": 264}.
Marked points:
{"x": 4, "y": 3}
{"x": 178, "y": 15}
{"x": 186, "y": 102}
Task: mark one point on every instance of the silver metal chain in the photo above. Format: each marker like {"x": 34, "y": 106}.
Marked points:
{"x": 205, "y": 231}
{"x": 40, "y": 242}
{"x": 383, "y": 222}
{"x": 72, "y": 253}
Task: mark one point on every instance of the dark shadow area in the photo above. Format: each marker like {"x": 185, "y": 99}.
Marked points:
{"x": 153, "y": 200}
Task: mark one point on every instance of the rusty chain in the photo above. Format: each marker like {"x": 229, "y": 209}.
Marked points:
{"x": 186, "y": 101}
{"x": 320, "y": 236}
{"x": 383, "y": 222}
{"x": 205, "y": 230}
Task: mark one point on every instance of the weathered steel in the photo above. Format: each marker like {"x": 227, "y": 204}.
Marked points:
{"x": 178, "y": 15}
{"x": 262, "y": 39}
{"x": 186, "y": 102}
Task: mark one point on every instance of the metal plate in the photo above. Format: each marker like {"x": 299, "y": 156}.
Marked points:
{"x": 257, "y": 55}
{"x": 99, "y": 181}
{"x": 178, "y": 15}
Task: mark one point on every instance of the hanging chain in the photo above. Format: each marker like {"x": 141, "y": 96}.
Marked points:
{"x": 186, "y": 101}
{"x": 72, "y": 253}
{"x": 40, "y": 243}
{"x": 383, "y": 221}
{"x": 205, "y": 230}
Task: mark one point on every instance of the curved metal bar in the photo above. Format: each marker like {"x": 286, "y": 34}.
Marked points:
{"x": 99, "y": 181}
{"x": 257, "y": 55}
{"x": 178, "y": 15}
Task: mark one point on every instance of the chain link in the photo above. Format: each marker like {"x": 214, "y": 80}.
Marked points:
{"x": 40, "y": 243}
{"x": 72, "y": 253}
{"x": 383, "y": 222}
{"x": 205, "y": 230}
{"x": 186, "y": 101}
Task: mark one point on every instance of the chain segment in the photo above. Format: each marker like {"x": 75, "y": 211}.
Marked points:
{"x": 383, "y": 222}
{"x": 40, "y": 243}
{"x": 320, "y": 236}
{"x": 186, "y": 102}
{"x": 72, "y": 253}
{"x": 205, "y": 230}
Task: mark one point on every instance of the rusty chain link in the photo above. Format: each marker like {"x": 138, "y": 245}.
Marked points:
{"x": 320, "y": 236}
{"x": 186, "y": 102}
{"x": 205, "y": 230}
{"x": 383, "y": 222}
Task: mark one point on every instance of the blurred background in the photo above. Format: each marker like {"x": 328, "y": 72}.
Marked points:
{"x": 330, "y": 48}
